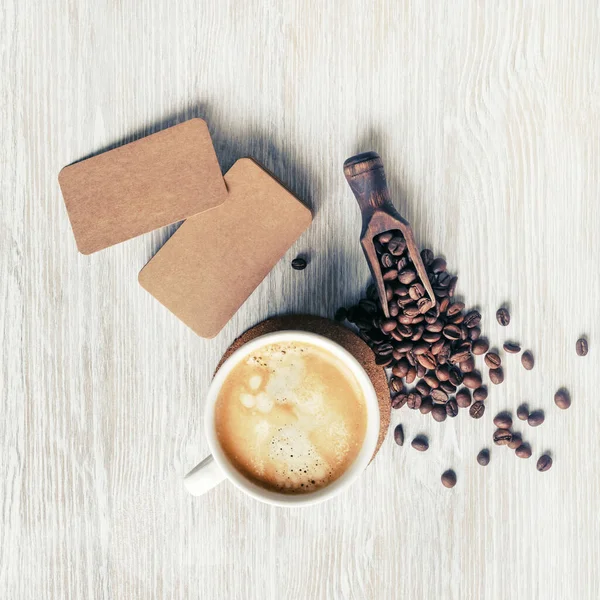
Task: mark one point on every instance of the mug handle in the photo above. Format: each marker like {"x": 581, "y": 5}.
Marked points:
{"x": 203, "y": 477}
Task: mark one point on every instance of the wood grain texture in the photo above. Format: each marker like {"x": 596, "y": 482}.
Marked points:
{"x": 487, "y": 118}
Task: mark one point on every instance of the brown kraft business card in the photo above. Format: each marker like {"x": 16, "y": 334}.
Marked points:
{"x": 244, "y": 238}
{"x": 136, "y": 188}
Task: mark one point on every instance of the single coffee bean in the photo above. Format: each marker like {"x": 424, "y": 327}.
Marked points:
{"x": 405, "y": 331}
{"x": 448, "y": 387}
{"x": 483, "y": 458}
{"x": 420, "y": 348}
{"x": 421, "y": 370}
{"x": 299, "y": 263}
{"x": 444, "y": 353}
{"x": 536, "y": 418}
{"x": 396, "y": 245}
{"x": 480, "y": 346}
{"x": 424, "y": 305}
{"x": 456, "y": 319}
{"x": 388, "y": 325}
{"x": 472, "y": 318}
{"x": 442, "y": 372}
{"x": 411, "y": 310}
{"x": 452, "y": 332}
{"x": 527, "y": 360}
{"x": 396, "y": 385}
{"x": 523, "y": 451}
{"x": 503, "y": 421}
{"x": 456, "y": 377}
{"x": 511, "y": 347}
{"x": 480, "y": 394}
{"x": 411, "y": 358}
{"x": 400, "y": 290}
{"x": 389, "y": 293}
{"x": 460, "y": 355}
{"x": 390, "y": 274}
{"x": 341, "y": 314}
{"x": 427, "y": 257}
{"x": 402, "y": 262}
{"x": 452, "y": 407}
{"x": 420, "y": 443}
{"x": 523, "y": 412}
{"x": 492, "y": 360}
{"x": 384, "y": 238}
{"x": 439, "y": 396}
{"x": 502, "y": 437}
{"x": 581, "y": 347}
{"x": 387, "y": 260}
{"x": 423, "y": 388}
{"x": 399, "y": 400}
{"x": 399, "y": 435}
{"x": 472, "y": 380}
{"x": 400, "y": 369}
{"x": 477, "y": 409}
{"x": 404, "y": 346}
{"x": 384, "y": 361}
{"x": 384, "y": 349}
{"x": 379, "y": 247}
{"x": 466, "y": 366}
{"x": 463, "y": 398}
{"x": 407, "y": 276}
{"x": 427, "y": 360}
{"x": 393, "y": 308}
{"x": 410, "y": 376}
{"x": 503, "y": 316}
{"x": 544, "y": 463}
{"x": 474, "y": 333}
{"x": 431, "y": 337}
{"x": 426, "y": 405}
{"x": 417, "y": 333}
{"x": 516, "y": 441}
{"x": 439, "y": 412}
{"x": 449, "y": 479}
{"x": 414, "y": 400}
{"x": 454, "y": 309}
{"x": 435, "y": 327}
{"x": 496, "y": 375}
{"x": 432, "y": 380}
{"x": 443, "y": 305}
{"x": 562, "y": 399}
{"x": 416, "y": 291}
{"x": 438, "y": 265}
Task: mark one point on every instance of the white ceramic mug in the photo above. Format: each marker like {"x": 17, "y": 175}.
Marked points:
{"x": 216, "y": 467}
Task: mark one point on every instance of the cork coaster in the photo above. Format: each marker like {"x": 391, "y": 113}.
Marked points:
{"x": 337, "y": 333}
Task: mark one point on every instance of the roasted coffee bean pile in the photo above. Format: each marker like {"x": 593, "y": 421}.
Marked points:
{"x": 432, "y": 345}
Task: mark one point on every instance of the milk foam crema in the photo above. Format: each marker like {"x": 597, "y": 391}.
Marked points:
{"x": 291, "y": 417}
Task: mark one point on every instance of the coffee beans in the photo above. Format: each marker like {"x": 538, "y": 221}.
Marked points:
{"x": 472, "y": 318}
{"x": 463, "y": 398}
{"x": 472, "y": 380}
{"x": 527, "y": 360}
{"x": 483, "y": 458}
{"x": 480, "y": 346}
{"x": 511, "y": 347}
{"x": 426, "y": 405}
{"x": 536, "y": 418}
{"x": 439, "y": 396}
{"x": 523, "y": 451}
{"x": 439, "y": 412}
{"x": 399, "y": 435}
{"x": 299, "y": 263}
{"x": 420, "y": 443}
{"x": 449, "y": 479}
{"x": 480, "y": 394}
{"x": 516, "y": 441}
{"x": 523, "y": 412}
{"x": 562, "y": 399}
{"x": 414, "y": 400}
{"x": 496, "y": 375}
{"x": 452, "y": 407}
{"x": 581, "y": 347}
{"x": 492, "y": 360}
{"x": 503, "y": 316}
{"x": 544, "y": 463}
{"x": 477, "y": 409}
{"x": 502, "y": 437}
{"x": 503, "y": 421}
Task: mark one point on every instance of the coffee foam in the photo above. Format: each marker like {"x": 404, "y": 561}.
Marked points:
{"x": 291, "y": 417}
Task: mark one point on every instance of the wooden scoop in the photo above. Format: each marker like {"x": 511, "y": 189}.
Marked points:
{"x": 366, "y": 177}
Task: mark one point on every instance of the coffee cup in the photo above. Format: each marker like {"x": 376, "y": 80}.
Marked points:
{"x": 301, "y": 378}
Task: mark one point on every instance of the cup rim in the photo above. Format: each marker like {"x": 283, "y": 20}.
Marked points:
{"x": 352, "y": 472}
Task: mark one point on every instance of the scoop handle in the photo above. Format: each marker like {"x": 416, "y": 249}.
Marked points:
{"x": 366, "y": 177}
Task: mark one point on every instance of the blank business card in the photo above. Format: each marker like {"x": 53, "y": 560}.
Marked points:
{"x": 215, "y": 260}
{"x": 152, "y": 182}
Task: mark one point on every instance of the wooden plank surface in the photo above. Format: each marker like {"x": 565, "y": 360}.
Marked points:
{"x": 487, "y": 117}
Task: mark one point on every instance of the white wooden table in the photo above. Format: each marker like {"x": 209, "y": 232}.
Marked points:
{"x": 488, "y": 120}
